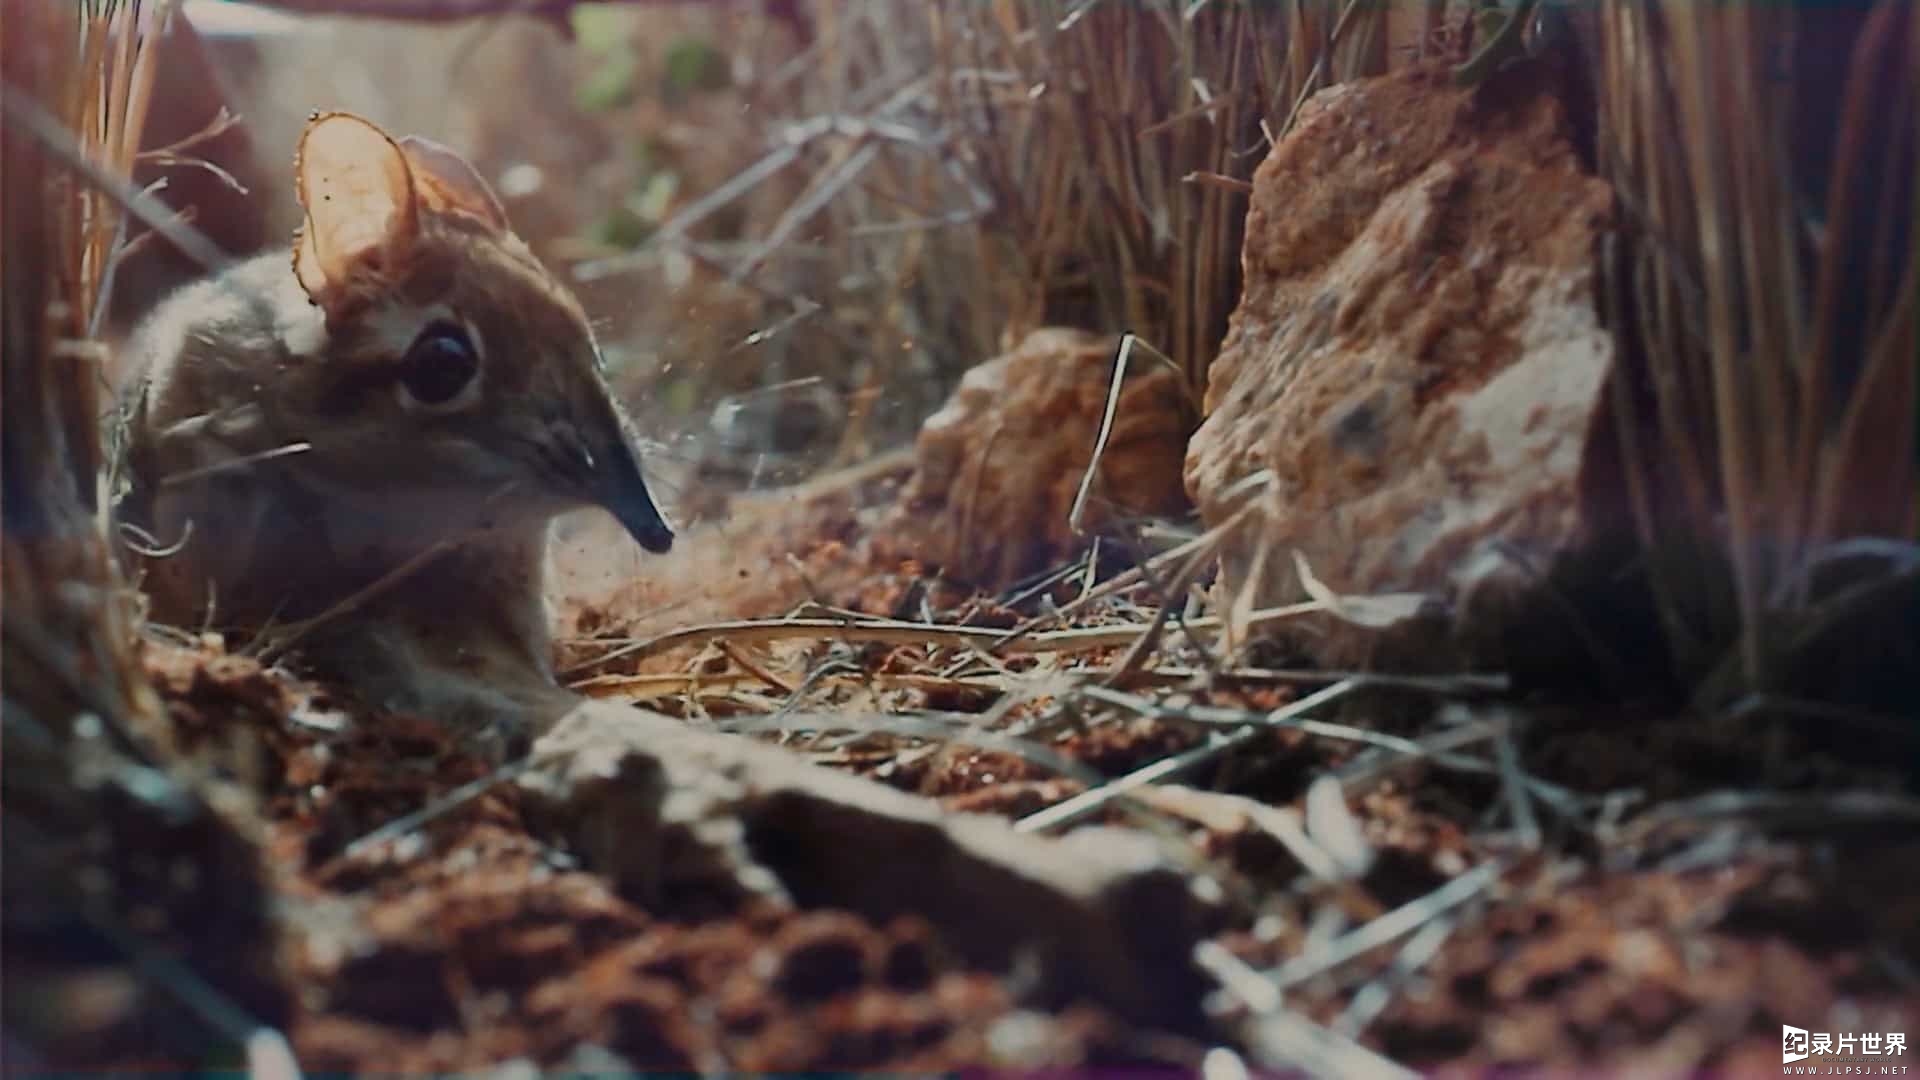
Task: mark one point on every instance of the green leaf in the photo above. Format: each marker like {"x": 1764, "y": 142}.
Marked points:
{"x": 598, "y": 30}
{"x": 655, "y": 198}
{"x": 622, "y": 228}
{"x": 610, "y": 84}
{"x": 1502, "y": 37}
{"x": 693, "y": 65}
{"x": 647, "y": 154}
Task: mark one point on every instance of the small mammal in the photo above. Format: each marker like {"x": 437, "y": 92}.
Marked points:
{"x": 388, "y": 416}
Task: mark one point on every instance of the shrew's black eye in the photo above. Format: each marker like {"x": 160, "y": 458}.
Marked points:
{"x": 439, "y": 364}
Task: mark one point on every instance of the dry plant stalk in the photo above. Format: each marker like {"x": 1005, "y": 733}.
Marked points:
{"x": 68, "y": 615}
{"x": 975, "y": 171}
{"x": 1777, "y": 413}
{"x": 100, "y": 836}
{"x": 1103, "y": 140}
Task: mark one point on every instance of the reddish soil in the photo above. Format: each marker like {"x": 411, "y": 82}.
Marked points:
{"x": 471, "y": 942}
{"x": 474, "y": 944}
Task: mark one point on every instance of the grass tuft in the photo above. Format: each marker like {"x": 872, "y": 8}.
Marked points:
{"x": 77, "y": 92}
{"x": 1109, "y": 138}
{"x": 106, "y": 843}
{"x": 939, "y": 180}
{"x": 1766, "y": 294}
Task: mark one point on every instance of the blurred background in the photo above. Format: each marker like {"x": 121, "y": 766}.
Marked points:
{"x": 805, "y": 228}
{"x": 797, "y": 225}
{"x": 595, "y": 130}
{"x": 845, "y": 205}
{"x": 794, "y": 225}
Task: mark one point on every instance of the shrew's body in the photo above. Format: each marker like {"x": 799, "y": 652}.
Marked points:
{"x": 374, "y": 431}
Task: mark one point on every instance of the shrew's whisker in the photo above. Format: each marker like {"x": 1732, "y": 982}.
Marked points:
{"x": 247, "y": 461}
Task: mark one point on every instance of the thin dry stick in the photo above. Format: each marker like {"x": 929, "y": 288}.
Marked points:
{"x": 1225, "y": 183}
{"x": 407, "y": 824}
{"x": 1216, "y": 716}
{"x": 1312, "y": 81}
{"x": 233, "y": 464}
{"x": 152, "y": 213}
{"x": 1223, "y": 812}
{"x": 669, "y": 683}
{"x": 1464, "y": 683}
{"x": 1106, "y": 431}
{"x": 1437, "y": 750}
{"x": 1401, "y": 920}
{"x": 1373, "y": 999}
{"x": 1283, "y": 1039}
{"x": 1513, "y": 782}
{"x": 555, "y": 11}
{"x": 1434, "y": 749}
{"x": 294, "y": 634}
{"x": 1194, "y": 548}
{"x": 747, "y": 664}
{"x": 1143, "y": 646}
{"x": 1086, "y": 803}
{"x": 690, "y": 215}
{"x": 825, "y": 187}
{"x": 1819, "y": 812}
{"x": 896, "y": 632}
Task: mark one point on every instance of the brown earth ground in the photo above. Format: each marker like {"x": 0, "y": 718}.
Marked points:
{"x": 1672, "y": 947}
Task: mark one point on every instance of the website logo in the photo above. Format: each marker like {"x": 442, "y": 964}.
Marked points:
{"x": 1863, "y": 1053}
{"x": 1793, "y": 1044}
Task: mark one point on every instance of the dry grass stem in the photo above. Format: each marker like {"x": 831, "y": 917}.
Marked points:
{"x": 1090, "y": 802}
{"x": 94, "y": 785}
{"x": 895, "y": 632}
{"x": 1114, "y": 386}
{"x": 1387, "y": 928}
{"x": 1768, "y": 347}
{"x": 1285, "y": 1040}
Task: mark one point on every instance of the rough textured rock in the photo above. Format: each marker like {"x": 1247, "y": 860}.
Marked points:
{"x": 996, "y": 470}
{"x": 1417, "y": 354}
{"x": 661, "y": 809}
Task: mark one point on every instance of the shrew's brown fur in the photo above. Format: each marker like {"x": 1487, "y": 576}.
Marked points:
{"x": 281, "y": 462}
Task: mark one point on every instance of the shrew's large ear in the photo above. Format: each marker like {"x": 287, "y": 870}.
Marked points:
{"x": 362, "y": 214}
{"x": 446, "y": 183}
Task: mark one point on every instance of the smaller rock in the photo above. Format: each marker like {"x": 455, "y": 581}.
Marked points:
{"x": 660, "y": 809}
{"x": 996, "y": 470}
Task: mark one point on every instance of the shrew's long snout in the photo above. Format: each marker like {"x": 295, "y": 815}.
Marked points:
{"x": 623, "y": 491}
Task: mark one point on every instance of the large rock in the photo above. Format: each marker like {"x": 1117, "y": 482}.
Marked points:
{"x": 996, "y": 469}
{"x": 1417, "y": 355}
